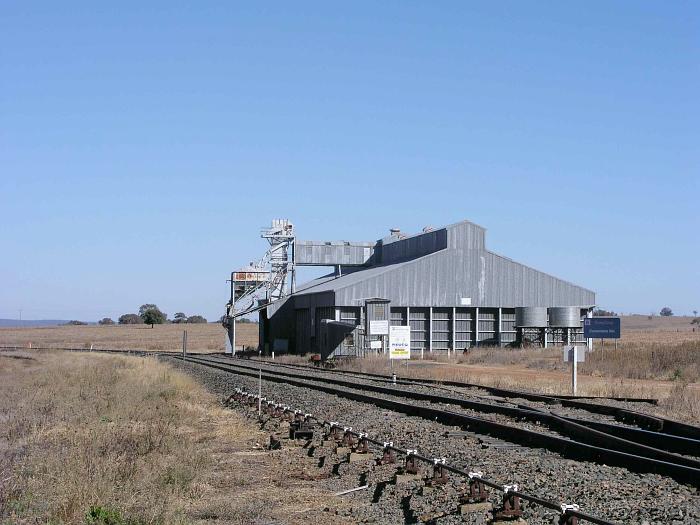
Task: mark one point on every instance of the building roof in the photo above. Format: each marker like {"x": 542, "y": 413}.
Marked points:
{"x": 448, "y": 266}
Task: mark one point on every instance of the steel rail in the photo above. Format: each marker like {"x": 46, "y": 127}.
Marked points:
{"x": 564, "y": 510}
{"x": 566, "y": 447}
{"x": 637, "y": 441}
{"x": 495, "y": 390}
{"x": 654, "y": 423}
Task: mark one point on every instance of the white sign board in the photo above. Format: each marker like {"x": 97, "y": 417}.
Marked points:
{"x": 400, "y": 342}
{"x": 465, "y": 301}
{"x": 375, "y": 345}
{"x": 379, "y": 327}
{"x": 568, "y": 354}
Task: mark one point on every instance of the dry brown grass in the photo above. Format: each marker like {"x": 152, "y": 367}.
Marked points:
{"x": 200, "y": 337}
{"x": 133, "y": 440}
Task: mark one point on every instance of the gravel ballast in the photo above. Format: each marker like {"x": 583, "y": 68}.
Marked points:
{"x": 608, "y": 492}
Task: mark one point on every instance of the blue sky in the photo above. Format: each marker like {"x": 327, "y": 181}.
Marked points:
{"x": 143, "y": 145}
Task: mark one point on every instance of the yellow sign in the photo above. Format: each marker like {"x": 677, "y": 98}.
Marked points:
{"x": 400, "y": 342}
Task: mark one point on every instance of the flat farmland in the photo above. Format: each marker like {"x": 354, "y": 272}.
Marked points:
{"x": 656, "y": 329}
{"x": 208, "y": 337}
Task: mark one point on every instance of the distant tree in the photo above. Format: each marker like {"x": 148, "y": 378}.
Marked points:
{"x": 599, "y": 312}
{"x": 666, "y": 312}
{"x": 152, "y": 315}
{"x": 695, "y": 313}
{"x": 695, "y": 321}
{"x": 105, "y": 321}
{"x": 75, "y": 323}
{"x": 196, "y": 319}
{"x": 130, "y": 319}
{"x": 179, "y": 317}
{"x": 147, "y": 306}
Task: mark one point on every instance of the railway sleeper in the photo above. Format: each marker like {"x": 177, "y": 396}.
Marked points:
{"x": 603, "y": 449}
{"x": 511, "y": 509}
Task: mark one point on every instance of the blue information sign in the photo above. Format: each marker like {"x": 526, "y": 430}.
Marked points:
{"x": 601, "y": 328}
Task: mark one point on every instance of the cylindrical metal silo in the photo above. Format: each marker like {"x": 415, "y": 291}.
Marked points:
{"x": 565, "y": 317}
{"x": 531, "y": 317}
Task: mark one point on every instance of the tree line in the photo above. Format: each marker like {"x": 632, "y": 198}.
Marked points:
{"x": 151, "y": 314}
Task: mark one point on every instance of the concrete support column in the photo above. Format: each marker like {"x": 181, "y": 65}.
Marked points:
{"x": 408, "y": 323}
{"x": 430, "y": 329}
{"x": 499, "y": 327}
{"x": 454, "y": 322}
{"x": 476, "y": 326}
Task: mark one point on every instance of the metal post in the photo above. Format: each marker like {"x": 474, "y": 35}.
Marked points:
{"x": 500, "y": 326}
{"x": 184, "y": 345}
{"x": 453, "y": 342}
{"x": 573, "y": 371}
{"x": 408, "y": 323}
{"x": 430, "y": 329}
{"x": 259, "y": 392}
{"x": 476, "y": 326}
{"x": 233, "y": 336}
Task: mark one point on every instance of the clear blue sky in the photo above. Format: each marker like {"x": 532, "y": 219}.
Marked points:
{"x": 143, "y": 144}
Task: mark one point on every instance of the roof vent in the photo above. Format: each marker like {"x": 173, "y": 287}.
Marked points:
{"x": 395, "y": 231}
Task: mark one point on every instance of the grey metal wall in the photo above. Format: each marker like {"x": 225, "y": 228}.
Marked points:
{"x": 412, "y": 247}
{"x": 320, "y": 253}
{"x": 463, "y": 271}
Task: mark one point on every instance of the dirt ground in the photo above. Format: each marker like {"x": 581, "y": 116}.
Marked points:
{"x": 637, "y": 328}
{"x": 209, "y": 337}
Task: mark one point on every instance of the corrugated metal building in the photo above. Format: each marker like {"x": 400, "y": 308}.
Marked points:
{"x": 444, "y": 283}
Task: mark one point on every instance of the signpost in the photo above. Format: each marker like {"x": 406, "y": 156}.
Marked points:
{"x": 400, "y": 342}
{"x": 602, "y": 328}
{"x": 379, "y": 327}
{"x": 574, "y": 354}
{"x": 399, "y": 346}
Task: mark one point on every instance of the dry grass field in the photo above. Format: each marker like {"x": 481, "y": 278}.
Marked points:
{"x": 200, "y": 337}
{"x": 641, "y": 328}
{"x": 117, "y": 440}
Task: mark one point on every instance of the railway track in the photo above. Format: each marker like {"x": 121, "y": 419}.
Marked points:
{"x": 462, "y": 427}
{"x": 346, "y": 437}
{"x": 567, "y": 425}
{"x": 662, "y": 427}
{"x": 575, "y": 440}
{"x": 612, "y": 494}
{"x": 656, "y": 424}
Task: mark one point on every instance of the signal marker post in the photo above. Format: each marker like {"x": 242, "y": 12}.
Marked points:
{"x": 574, "y": 355}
